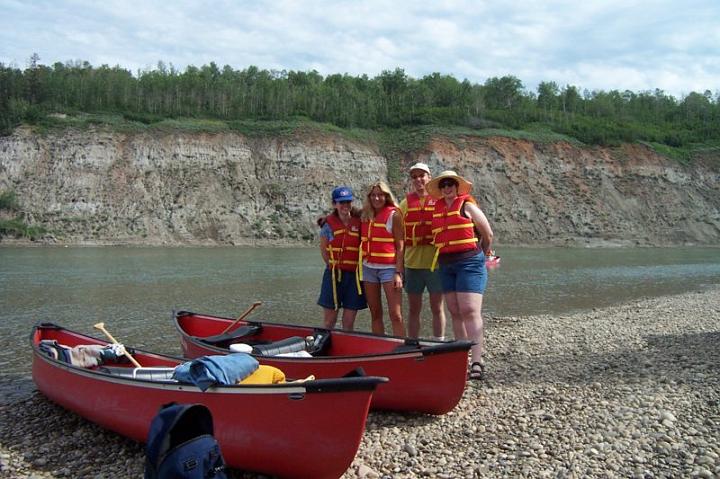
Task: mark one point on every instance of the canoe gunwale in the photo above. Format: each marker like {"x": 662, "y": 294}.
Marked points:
{"x": 349, "y": 383}
{"x": 425, "y": 347}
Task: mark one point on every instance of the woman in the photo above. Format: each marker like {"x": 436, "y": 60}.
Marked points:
{"x": 339, "y": 246}
{"x": 462, "y": 238}
{"x": 381, "y": 251}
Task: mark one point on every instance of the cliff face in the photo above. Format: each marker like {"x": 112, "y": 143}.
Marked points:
{"x": 183, "y": 188}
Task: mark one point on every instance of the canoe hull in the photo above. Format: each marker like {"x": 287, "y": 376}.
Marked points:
{"x": 428, "y": 380}
{"x": 268, "y": 429}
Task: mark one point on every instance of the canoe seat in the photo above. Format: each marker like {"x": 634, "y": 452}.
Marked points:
{"x": 148, "y": 374}
{"x": 226, "y": 338}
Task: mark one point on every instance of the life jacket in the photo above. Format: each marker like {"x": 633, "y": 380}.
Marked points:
{"x": 453, "y": 233}
{"x": 343, "y": 249}
{"x": 180, "y": 444}
{"x": 378, "y": 244}
{"x": 418, "y": 219}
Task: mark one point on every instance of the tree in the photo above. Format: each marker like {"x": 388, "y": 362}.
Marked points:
{"x": 503, "y": 93}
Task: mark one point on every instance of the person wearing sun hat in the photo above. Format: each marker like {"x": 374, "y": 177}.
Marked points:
{"x": 417, "y": 208}
{"x": 462, "y": 238}
{"x": 339, "y": 246}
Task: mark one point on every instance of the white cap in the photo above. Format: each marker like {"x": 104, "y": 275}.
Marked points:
{"x": 240, "y": 348}
{"x": 420, "y": 166}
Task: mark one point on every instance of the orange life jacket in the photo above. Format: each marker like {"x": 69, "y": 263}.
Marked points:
{"x": 418, "y": 219}
{"x": 343, "y": 249}
{"x": 452, "y": 231}
{"x": 378, "y": 244}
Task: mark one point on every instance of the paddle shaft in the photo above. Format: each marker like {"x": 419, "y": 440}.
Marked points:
{"x": 243, "y": 316}
{"x": 101, "y": 327}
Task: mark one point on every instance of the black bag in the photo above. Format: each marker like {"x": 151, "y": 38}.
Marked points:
{"x": 180, "y": 444}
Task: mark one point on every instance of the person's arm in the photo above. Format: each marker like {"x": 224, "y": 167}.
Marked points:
{"x": 398, "y": 230}
{"x": 481, "y": 224}
{"x": 324, "y": 242}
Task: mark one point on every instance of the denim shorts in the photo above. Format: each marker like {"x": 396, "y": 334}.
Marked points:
{"x": 378, "y": 275}
{"x": 465, "y": 276}
{"x": 417, "y": 279}
{"x": 347, "y": 292}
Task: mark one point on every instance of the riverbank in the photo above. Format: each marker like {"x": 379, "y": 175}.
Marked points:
{"x": 625, "y": 391}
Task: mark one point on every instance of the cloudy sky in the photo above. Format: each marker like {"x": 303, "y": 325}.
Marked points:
{"x": 592, "y": 44}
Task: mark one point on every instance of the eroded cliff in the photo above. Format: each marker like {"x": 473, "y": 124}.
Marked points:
{"x": 225, "y": 188}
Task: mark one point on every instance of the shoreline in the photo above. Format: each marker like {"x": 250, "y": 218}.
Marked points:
{"x": 590, "y": 243}
{"x": 631, "y": 390}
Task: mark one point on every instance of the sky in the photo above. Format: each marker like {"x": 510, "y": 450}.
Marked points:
{"x": 592, "y": 44}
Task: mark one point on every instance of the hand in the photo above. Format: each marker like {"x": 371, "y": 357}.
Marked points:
{"x": 398, "y": 280}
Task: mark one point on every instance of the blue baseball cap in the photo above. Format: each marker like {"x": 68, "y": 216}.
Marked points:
{"x": 342, "y": 193}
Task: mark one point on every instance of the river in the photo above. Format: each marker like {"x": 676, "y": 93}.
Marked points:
{"x": 133, "y": 290}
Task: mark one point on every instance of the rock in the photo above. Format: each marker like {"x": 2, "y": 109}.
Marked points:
{"x": 667, "y": 416}
{"x": 364, "y": 472}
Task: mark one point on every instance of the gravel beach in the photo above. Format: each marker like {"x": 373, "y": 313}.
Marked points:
{"x": 626, "y": 391}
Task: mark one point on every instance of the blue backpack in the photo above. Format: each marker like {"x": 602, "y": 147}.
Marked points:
{"x": 180, "y": 444}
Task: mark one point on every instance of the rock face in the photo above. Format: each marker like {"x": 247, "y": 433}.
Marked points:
{"x": 224, "y": 188}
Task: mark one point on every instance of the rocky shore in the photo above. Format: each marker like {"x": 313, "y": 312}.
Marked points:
{"x": 626, "y": 391}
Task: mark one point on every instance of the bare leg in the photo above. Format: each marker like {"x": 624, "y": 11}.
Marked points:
{"x": 458, "y": 325}
{"x": 329, "y": 318}
{"x": 348, "y": 319}
{"x": 470, "y": 305}
{"x": 438, "y": 314}
{"x": 415, "y": 304}
{"x": 394, "y": 300}
{"x": 374, "y": 301}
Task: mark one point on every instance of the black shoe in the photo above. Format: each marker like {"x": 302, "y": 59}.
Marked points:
{"x": 477, "y": 371}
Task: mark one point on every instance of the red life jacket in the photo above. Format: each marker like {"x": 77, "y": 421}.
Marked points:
{"x": 418, "y": 219}
{"x": 343, "y": 249}
{"x": 453, "y": 232}
{"x": 378, "y": 244}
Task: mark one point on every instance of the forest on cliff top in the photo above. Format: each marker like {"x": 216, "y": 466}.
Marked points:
{"x": 40, "y": 94}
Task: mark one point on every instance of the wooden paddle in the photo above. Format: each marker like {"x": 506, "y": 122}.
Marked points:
{"x": 101, "y": 327}
{"x": 243, "y": 316}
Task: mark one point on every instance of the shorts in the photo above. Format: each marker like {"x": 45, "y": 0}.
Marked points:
{"x": 378, "y": 275}
{"x": 465, "y": 276}
{"x": 417, "y": 279}
{"x": 347, "y": 292}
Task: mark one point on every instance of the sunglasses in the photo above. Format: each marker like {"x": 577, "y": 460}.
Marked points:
{"x": 344, "y": 202}
{"x": 447, "y": 183}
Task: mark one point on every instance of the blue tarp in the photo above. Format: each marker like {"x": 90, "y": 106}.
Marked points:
{"x": 208, "y": 370}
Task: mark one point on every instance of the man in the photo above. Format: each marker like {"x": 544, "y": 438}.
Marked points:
{"x": 417, "y": 209}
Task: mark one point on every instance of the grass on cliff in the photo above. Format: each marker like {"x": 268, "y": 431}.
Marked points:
{"x": 395, "y": 145}
{"x": 709, "y": 151}
{"x": 17, "y": 228}
{"x": 11, "y": 223}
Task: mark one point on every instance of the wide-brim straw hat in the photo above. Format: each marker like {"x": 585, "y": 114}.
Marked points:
{"x": 464, "y": 186}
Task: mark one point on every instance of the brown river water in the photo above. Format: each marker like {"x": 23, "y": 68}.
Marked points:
{"x": 133, "y": 290}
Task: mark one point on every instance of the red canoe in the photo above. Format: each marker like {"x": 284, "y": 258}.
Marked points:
{"x": 309, "y": 429}
{"x": 425, "y": 376}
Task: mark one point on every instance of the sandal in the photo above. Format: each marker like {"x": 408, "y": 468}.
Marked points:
{"x": 477, "y": 371}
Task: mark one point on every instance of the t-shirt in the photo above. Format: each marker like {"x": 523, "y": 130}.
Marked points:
{"x": 326, "y": 232}
{"x": 420, "y": 256}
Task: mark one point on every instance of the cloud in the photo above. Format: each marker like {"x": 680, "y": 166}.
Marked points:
{"x": 597, "y": 44}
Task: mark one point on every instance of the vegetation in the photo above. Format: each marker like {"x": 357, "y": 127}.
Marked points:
{"x": 262, "y": 102}
{"x": 8, "y": 201}
{"x": 11, "y": 223}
